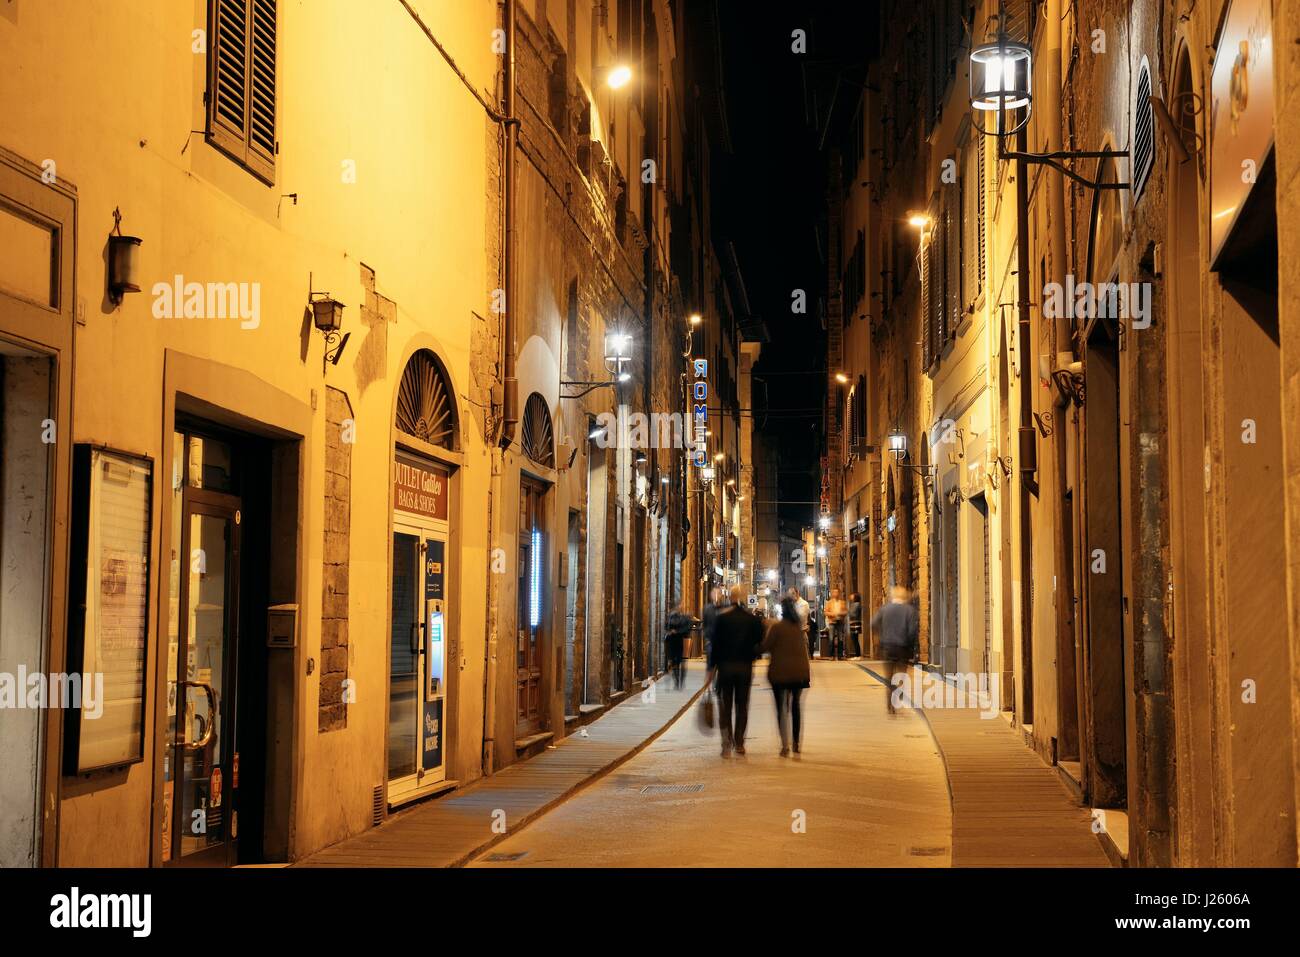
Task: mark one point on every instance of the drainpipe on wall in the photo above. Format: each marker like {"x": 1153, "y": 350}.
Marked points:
{"x": 510, "y": 384}
{"x": 1054, "y": 134}
{"x": 1027, "y": 453}
{"x": 510, "y": 388}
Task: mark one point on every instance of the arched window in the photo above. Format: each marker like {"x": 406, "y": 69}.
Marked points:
{"x": 537, "y": 436}
{"x": 426, "y": 409}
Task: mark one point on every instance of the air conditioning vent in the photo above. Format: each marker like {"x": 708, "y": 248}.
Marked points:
{"x": 1144, "y": 132}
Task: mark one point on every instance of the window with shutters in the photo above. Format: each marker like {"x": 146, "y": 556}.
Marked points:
{"x": 953, "y": 303}
{"x": 241, "y": 83}
{"x": 927, "y": 333}
{"x": 973, "y": 194}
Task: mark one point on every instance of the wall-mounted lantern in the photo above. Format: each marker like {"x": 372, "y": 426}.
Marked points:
{"x": 123, "y": 262}
{"x": 327, "y": 317}
{"x": 618, "y": 352}
{"x": 1000, "y": 77}
{"x": 898, "y": 444}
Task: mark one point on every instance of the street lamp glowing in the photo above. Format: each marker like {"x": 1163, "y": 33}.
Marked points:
{"x": 618, "y": 348}
{"x": 619, "y": 77}
{"x": 625, "y": 377}
{"x": 824, "y": 522}
{"x": 918, "y": 220}
{"x": 1000, "y": 75}
{"x": 695, "y": 319}
{"x": 841, "y": 378}
{"x": 719, "y": 457}
{"x": 898, "y": 444}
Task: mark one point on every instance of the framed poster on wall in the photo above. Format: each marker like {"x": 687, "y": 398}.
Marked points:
{"x": 108, "y": 609}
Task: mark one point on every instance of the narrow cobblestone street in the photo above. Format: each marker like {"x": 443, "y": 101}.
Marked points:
{"x": 869, "y": 789}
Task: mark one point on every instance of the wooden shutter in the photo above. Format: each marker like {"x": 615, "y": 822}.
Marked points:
{"x": 953, "y": 303}
{"x": 241, "y": 83}
{"x": 981, "y": 180}
{"x": 923, "y": 264}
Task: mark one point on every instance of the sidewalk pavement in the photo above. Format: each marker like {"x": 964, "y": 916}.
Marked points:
{"x": 1009, "y": 809}
{"x": 449, "y": 831}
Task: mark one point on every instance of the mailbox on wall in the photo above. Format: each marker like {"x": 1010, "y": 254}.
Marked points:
{"x": 282, "y": 626}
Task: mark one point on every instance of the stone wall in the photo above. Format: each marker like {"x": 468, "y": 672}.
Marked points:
{"x": 334, "y": 685}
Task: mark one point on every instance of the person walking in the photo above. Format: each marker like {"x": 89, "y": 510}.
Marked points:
{"x": 737, "y": 638}
{"x": 855, "y": 626}
{"x": 899, "y": 626}
{"x": 787, "y": 672}
{"x": 836, "y": 613}
{"x": 678, "y": 627}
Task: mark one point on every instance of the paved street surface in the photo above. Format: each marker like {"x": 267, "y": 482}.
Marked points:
{"x": 449, "y": 831}
{"x": 870, "y": 790}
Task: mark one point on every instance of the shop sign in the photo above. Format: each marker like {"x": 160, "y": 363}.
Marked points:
{"x": 419, "y": 487}
{"x": 1241, "y": 113}
{"x": 700, "y": 412}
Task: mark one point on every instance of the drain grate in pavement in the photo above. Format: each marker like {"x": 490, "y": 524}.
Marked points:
{"x": 672, "y": 789}
{"x": 926, "y": 851}
{"x": 503, "y": 857}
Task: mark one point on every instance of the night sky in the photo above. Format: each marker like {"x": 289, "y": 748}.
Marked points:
{"x": 769, "y": 200}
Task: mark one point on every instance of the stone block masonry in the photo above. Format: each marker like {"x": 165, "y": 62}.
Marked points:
{"x": 333, "y": 711}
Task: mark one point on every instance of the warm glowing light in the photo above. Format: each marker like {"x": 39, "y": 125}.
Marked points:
{"x": 619, "y": 77}
{"x": 918, "y": 220}
{"x": 841, "y": 378}
{"x": 696, "y": 319}
{"x": 535, "y": 581}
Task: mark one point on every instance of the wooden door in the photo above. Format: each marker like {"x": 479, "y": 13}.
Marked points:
{"x": 532, "y": 617}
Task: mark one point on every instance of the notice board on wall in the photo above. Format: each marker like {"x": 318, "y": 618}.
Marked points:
{"x": 108, "y": 616}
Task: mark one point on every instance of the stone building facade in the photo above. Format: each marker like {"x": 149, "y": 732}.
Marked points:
{"x": 348, "y": 575}
{"x": 1103, "y": 496}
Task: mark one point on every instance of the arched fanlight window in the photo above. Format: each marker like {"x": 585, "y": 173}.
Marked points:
{"x": 537, "y": 435}
{"x": 425, "y": 406}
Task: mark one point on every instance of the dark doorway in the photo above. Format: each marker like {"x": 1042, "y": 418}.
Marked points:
{"x": 215, "y": 768}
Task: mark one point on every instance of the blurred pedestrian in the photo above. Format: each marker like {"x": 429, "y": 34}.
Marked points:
{"x": 737, "y": 639}
{"x": 709, "y": 618}
{"x": 788, "y": 672}
{"x": 679, "y": 625}
{"x": 836, "y": 620}
{"x": 899, "y": 627}
{"x": 855, "y": 626}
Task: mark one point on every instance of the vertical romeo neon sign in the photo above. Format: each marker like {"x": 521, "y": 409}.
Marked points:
{"x": 700, "y": 393}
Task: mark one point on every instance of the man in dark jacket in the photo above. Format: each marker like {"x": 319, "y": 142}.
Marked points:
{"x": 899, "y": 626}
{"x": 737, "y": 640}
